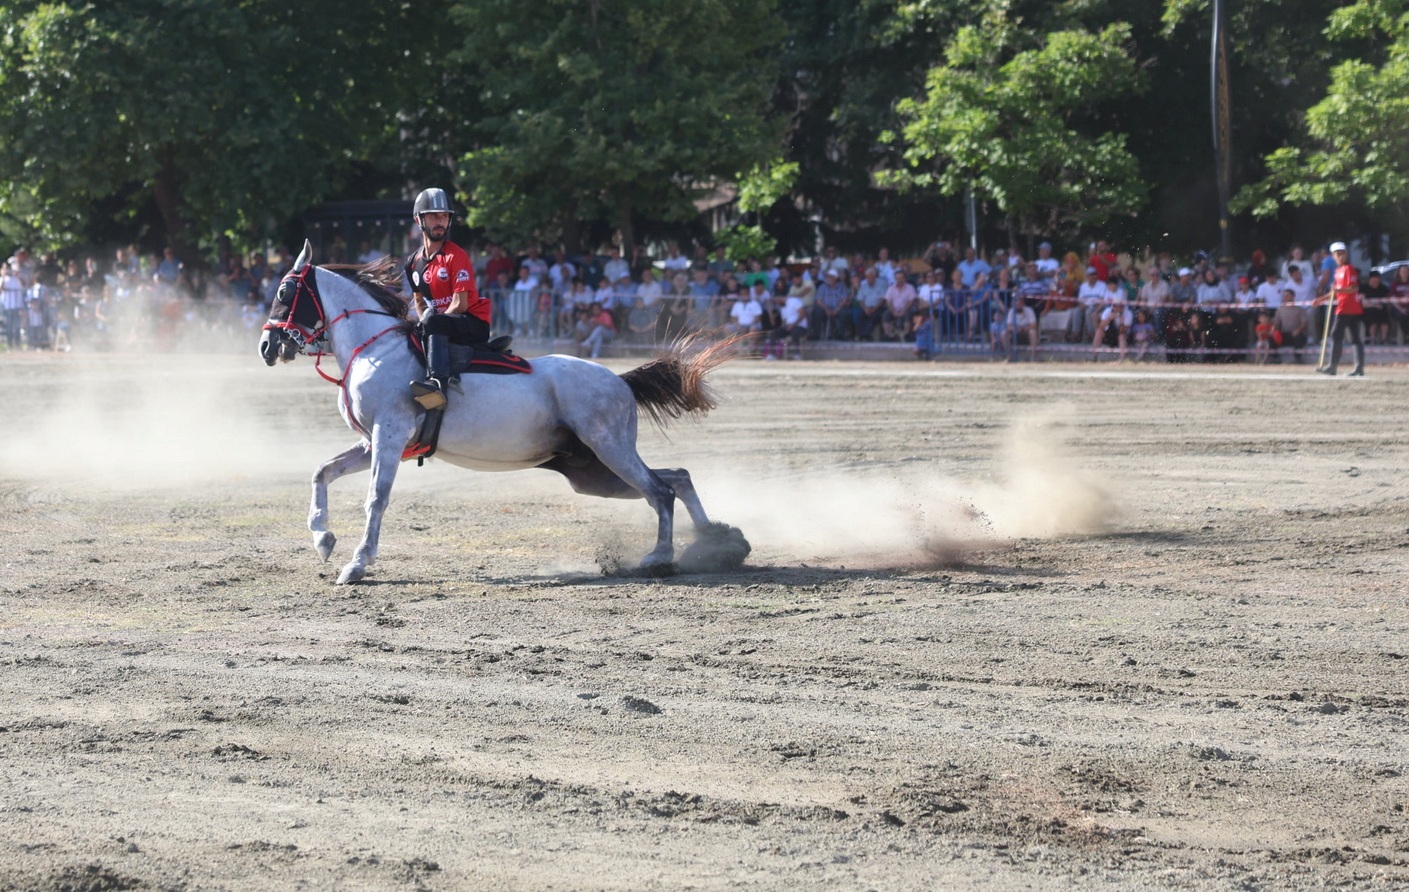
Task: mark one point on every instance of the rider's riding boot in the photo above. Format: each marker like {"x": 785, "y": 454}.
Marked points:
{"x": 430, "y": 391}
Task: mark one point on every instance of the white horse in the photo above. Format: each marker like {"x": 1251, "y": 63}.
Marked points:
{"x": 568, "y": 415}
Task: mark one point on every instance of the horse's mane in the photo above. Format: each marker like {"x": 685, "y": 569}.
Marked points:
{"x": 381, "y": 279}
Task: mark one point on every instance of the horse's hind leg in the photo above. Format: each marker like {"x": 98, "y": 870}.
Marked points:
{"x": 358, "y": 458}
{"x": 679, "y": 480}
{"x": 612, "y": 470}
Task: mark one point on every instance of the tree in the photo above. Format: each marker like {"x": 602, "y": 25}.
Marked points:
{"x": 609, "y": 110}
{"x": 1280, "y": 62}
{"x": 1356, "y": 141}
{"x": 843, "y": 65}
{"x": 223, "y": 113}
{"x": 1010, "y": 123}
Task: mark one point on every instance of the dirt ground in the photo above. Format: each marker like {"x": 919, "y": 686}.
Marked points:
{"x": 1003, "y": 627}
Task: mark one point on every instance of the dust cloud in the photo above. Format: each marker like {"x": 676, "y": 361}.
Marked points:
{"x": 909, "y": 515}
{"x": 127, "y": 421}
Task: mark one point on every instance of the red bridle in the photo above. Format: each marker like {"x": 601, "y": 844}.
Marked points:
{"x": 303, "y": 335}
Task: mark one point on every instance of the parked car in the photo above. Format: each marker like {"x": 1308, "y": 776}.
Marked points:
{"x": 1387, "y": 270}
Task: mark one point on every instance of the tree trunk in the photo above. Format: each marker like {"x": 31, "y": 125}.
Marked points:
{"x": 167, "y": 192}
{"x": 628, "y": 232}
{"x": 572, "y": 233}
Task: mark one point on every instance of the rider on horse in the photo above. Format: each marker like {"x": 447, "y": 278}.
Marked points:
{"x": 443, "y": 287}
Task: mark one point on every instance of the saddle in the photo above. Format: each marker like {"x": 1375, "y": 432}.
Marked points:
{"x": 494, "y": 358}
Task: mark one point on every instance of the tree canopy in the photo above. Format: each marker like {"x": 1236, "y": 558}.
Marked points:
{"x": 1005, "y": 121}
{"x": 223, "y": 113}
{"x": 1356, "y": 138}
{"x": 610, "y": 110}
{"x": 180, "y": 121}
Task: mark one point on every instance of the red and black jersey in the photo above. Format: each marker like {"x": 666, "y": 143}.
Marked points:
{"x": 444, "y": 274}
{"x": 1346, "y": 286}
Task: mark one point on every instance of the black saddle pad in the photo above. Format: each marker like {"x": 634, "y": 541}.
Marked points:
{"x": 471, "y": 360}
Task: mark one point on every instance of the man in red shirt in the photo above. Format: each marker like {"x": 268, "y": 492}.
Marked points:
{"x": 443, "y": 289}
{"x": 1350, "y": 312}
{"x": 1104, "y": 259}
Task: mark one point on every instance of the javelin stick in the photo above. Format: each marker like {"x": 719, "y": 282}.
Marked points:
{"x": 1326, "y": 329}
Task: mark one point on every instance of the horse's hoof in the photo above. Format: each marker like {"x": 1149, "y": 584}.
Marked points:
{"x": 719, "y": 548}
{"x": 353, "y": 572}
{"x": 659, "y": 571}
{"x": 324, "y": 542}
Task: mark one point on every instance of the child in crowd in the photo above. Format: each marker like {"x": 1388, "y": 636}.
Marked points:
{"x": 1263, "y": 332}
{"x": 923, "y": 329}
{"x": 1143, "y": 332}
{"x": 998, "y": 331}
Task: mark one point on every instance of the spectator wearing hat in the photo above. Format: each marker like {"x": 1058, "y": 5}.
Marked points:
{"x": 1350, "y": 313}
{"x": 831, "y": 307}
{"x": 1091, "y": 297}
{"x": 1259, "y": 270}
{"x": 1244, "y": 297}
{"x": 1047, "y": 265}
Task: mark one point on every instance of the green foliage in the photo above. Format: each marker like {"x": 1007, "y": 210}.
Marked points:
{"x": 1357, "y": 137}
{"x": 742, "y": 242}
{"x": 761, "y": 187}
{"x": 604, "y": 110}
{"x": 1013, "y": 125}
{"x": 225, "y": 112}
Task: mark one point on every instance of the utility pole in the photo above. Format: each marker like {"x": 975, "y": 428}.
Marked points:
{"x": 1222, "y": 127}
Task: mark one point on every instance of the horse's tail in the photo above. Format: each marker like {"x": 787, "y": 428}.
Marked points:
{"x": 673, "y": 385}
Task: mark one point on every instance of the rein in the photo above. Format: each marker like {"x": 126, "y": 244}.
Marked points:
{"x": 306, "y": 337}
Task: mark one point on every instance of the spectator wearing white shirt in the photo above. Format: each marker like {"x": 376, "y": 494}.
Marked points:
{"x": 1302, "y": 286}
{"x": 1269, "y": 293}
{"x": 1091, "y": 298}
{"x": 1047, "y": 265}
{"x": 747, "y": 311}
{"x": 1115, "y": 312}
{"x": 674, "y": 260}
{"x": 885, "y": 269}
{"x": 615, "y": 268}
{"x": 1021, "y": 326}
{"x": 649, "y": 290}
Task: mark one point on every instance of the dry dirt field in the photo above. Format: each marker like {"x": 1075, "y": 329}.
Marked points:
{"x": 1003, "y": 627}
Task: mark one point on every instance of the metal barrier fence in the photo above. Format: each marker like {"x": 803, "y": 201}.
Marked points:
{"x": 957, "y": 322}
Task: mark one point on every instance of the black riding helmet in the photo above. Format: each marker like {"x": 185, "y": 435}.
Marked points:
{"x": 432, "y": 201}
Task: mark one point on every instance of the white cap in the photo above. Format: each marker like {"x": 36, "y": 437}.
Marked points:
{"x": 1185, "y": 271}
{"x": 1337, "y": 246}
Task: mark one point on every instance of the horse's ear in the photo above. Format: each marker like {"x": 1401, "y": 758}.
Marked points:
{"x": 304, "y": 256}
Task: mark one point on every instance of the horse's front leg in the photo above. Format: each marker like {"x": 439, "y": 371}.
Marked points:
{"x": 385, "y": 458}
{"x": 358, "y": 458}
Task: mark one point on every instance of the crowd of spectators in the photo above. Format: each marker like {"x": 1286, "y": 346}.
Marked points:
{"x": 1095, "y": 302}
{"x": 132, "y": 299}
